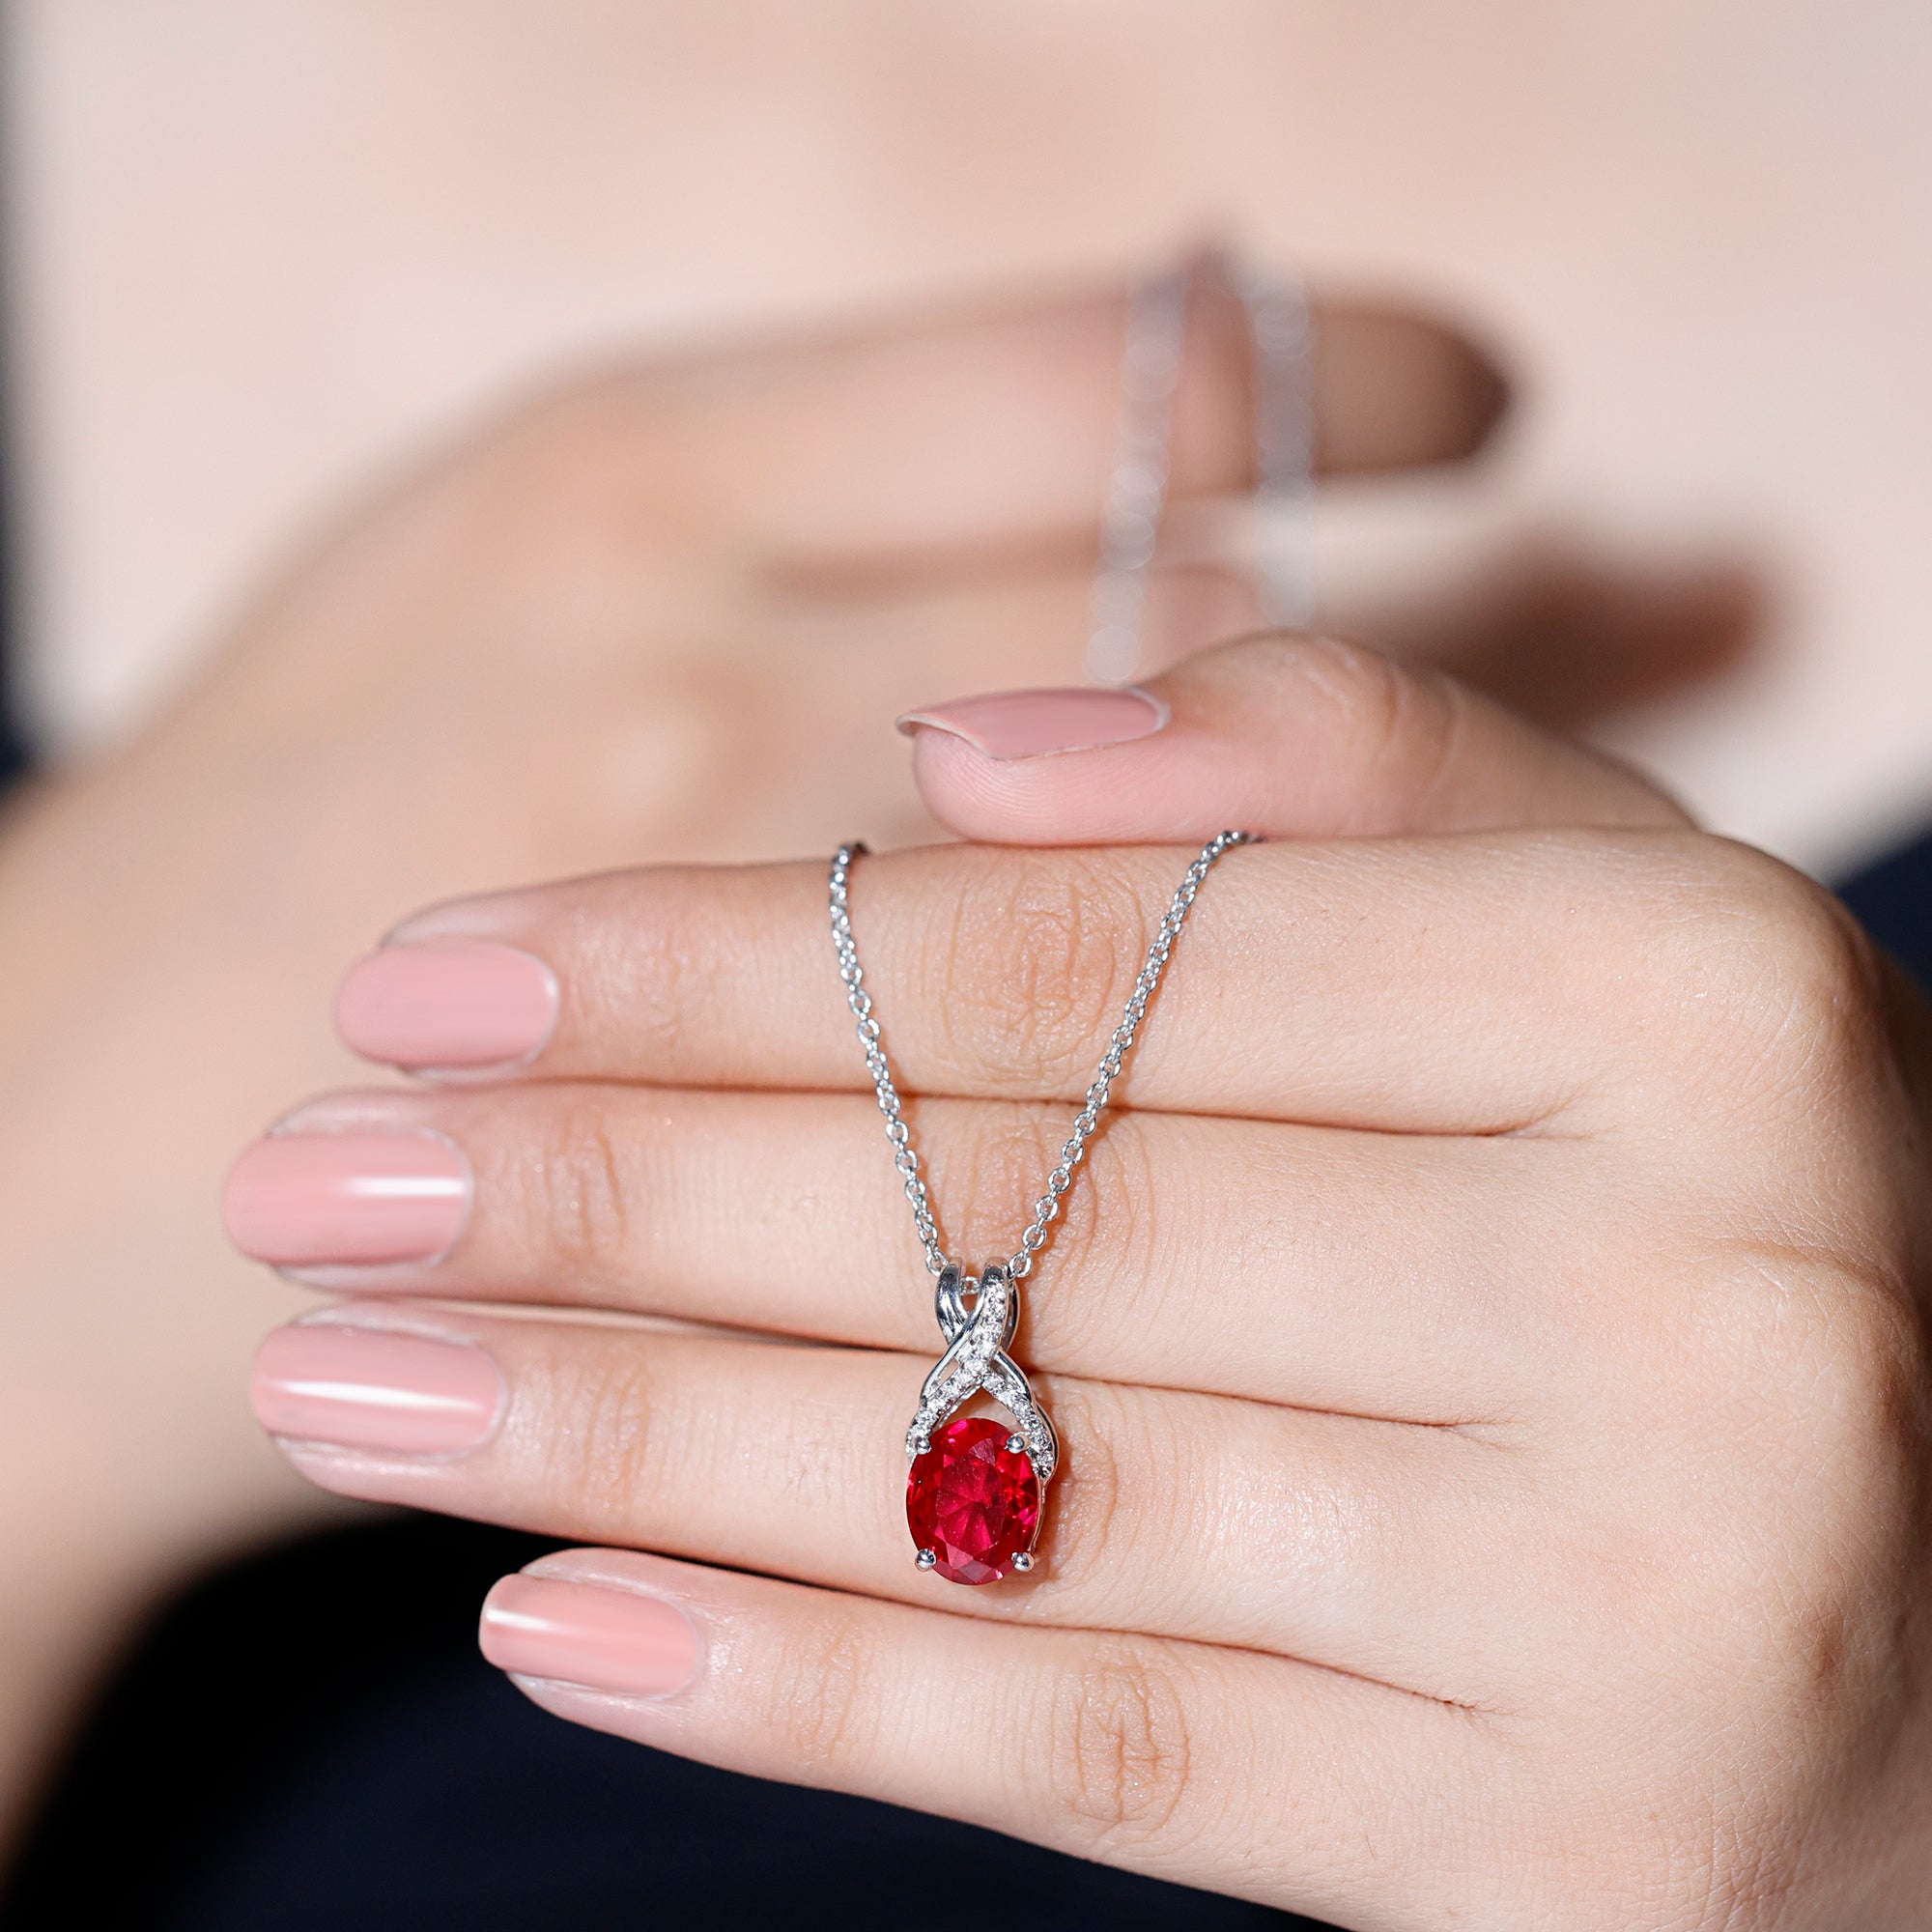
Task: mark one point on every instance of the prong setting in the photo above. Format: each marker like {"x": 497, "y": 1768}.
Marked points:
{"x": 1024, "y": 1561}
{"x": 926, "y": 1558}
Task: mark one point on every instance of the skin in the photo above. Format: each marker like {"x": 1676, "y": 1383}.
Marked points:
{"x": 1490, "y": 1336}
{"x": 1513, "y": 1183}
{"x": 666, "y": 612}
{"x": 658, "y": 612}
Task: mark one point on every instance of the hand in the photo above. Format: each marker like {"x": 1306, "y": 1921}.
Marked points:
{"x": 1488, "y": 1342}
{"x": 649, "y": 613}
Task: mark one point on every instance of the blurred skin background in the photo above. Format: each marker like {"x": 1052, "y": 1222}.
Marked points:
{"x": 260, "y": 258}
{"x": 261, "y": 253}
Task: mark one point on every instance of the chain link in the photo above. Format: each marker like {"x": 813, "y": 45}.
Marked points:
{"x": 906, "y": 1158}
{"x": 1281, "y": 341}
{"x": 1155, "y": 346}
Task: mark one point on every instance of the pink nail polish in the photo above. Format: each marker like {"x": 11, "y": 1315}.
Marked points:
{"x": 587, "y": 1634}
{"x": 372, "y": 1388}
{"x": 448, "y": 1006}
{"x": 1037, "y": 723}
{"x": 315, "y": 1200}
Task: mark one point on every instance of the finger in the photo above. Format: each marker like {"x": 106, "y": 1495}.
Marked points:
{"x": 716, "y": 1206}
{"x": 1397, "y": 986}
{"x": 1292, "y": 737}
{"x": 1366, "y": 1546}
{"x": 1127, "y": 1749}
{"x": 951, "y": 439}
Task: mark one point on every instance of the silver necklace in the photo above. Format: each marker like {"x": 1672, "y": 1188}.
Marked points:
{"x": 976, "y": 1490}
{"x": 974, "y": 1501}
{"x": 1281, "y": 340}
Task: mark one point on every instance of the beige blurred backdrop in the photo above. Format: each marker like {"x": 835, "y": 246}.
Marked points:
{"x": 262, "y": 250}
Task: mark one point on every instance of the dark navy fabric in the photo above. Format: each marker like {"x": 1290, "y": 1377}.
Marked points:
{"x": 13, "y": 740}
{"x": 269, "y": 1761}
{"x": 1893, "y": 899}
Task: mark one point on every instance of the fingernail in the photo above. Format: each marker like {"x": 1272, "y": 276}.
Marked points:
{"x": 1037, "y": 724}
{"x": 453, "y": 1005}
{"x": 311, "y": 1200}
{"x": 603, "y": 1639}
{"x": 371, "y": 1388}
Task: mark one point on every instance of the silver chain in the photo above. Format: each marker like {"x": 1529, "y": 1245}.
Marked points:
{"x": 1281, "y": 338}
{"x": 905, "y": 1156}
{"x": 1130, "y": 512}
{"x": 1282, "y": 333}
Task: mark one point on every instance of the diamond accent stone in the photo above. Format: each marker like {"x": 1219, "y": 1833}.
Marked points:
{"x": 975, "y": 1359}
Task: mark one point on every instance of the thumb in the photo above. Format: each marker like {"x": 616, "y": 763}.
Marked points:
{"x": 1291, "y": 738}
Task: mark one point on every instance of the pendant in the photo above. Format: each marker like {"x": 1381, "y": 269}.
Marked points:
{"x": 977, "y": 1488}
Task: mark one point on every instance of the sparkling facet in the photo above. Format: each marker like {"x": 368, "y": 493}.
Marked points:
{"x": 972, "y": 1501}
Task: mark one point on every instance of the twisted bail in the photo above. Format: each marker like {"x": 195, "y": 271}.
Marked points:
{"x": 976, "y": 1358}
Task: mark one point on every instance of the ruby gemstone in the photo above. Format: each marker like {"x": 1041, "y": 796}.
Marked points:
{"x": 972, "y": 1501}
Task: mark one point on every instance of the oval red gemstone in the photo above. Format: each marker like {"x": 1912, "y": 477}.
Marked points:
{"x": 972, "y": 1501}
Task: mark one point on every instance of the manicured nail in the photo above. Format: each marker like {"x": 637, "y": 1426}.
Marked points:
{"x": 586, "y": 1633}
{"x": 448, "y": 1006}
{"x": 317, "y": 1199}
{"x": 1037, "y": 724}
{"x": 372, "y": 1388}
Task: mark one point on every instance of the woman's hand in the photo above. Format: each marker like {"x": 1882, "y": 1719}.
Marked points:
{"x": 1488, "y": 1342}
{"x": 657, "y": 612}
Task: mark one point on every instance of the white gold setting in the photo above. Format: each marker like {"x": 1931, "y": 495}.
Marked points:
{"x": 976, "y": 1358}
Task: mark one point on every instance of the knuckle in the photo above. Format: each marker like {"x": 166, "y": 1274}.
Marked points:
{"x": 647, "y": 952}
{"x": 814, "y": 1693}
{"x": 1849, "y": 1374}
{"x": 1817, "y": 1400}
{"x": 1039, "y": 956}
{"x": 1395, "y": 727}
{"x": 1129, "y": 1501}
{"x": 1118, "y": 1748}
{"x": 993, "y": 1174}
{"x": 597, "y": 1445}
{"x": 579, "y": 1174}
{"x": 1110, "y": 1228}
{"x": 1086, "y": 1522}
{"x": 1105, "y": 1229}
{"x": 1781, "y": 965}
